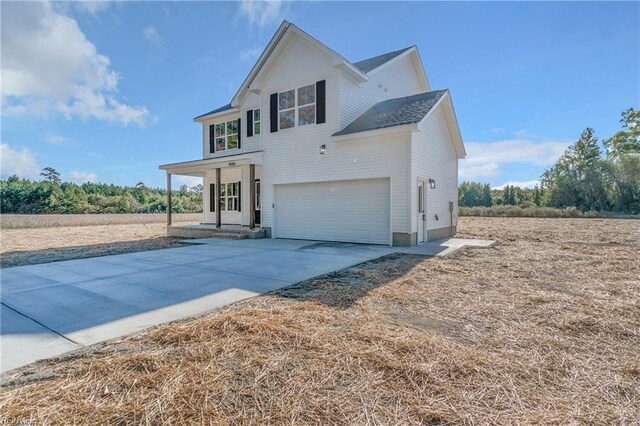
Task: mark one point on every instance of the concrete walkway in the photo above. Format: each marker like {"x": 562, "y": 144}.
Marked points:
{"x": 53, "y": 308}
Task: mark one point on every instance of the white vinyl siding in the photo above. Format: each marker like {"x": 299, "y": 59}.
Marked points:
{"x": 292, "y": 156}
{"x": 433, "y": 156}
{"x": 353, "y": 211}
{"x": 394, "y": 81}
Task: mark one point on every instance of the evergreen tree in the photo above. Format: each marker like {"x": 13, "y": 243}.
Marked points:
{"x": 51, "y": 175}
{"x": 578, "y": 179}
{"x": 626, "y": 141}
{"x": 506, "y": 195}
{"x": 486, "y": 195}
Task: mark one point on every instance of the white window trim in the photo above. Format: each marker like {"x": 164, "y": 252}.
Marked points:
{"x": 227, "y": 197}
{"x": 296, "y": 107}
{"x": 256, "y": 121}
{"x": 226, "y": 136}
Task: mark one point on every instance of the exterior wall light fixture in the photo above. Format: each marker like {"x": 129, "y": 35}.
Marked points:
{"x": 323, "y": 149}
{"x": 432, "y": 184}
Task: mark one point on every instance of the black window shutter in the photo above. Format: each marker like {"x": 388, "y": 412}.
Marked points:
{"x": 239, "y": 133}
{"x": 239, "y": 195}
{"x": 321, "y": 105}
{"x": 249, "y": 123}
{"x": 273, "y": 112}
{"x": 212, "y": 139}
{"x": 212, "y": 197}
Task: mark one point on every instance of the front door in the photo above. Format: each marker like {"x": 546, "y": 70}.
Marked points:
{"x": 422, "y": 215}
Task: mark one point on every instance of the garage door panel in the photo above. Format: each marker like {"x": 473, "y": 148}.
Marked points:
{"x": 355, "y": 211}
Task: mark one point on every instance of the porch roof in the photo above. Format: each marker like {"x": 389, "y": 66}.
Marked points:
{"x": 200, "y": 167}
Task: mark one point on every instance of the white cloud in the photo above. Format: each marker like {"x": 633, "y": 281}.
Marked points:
{"x": 521, "y": 134}
{"x": 57, "y": 140}
{"x": 14, "y": 162}
{"x": 250, "y": 53}
{"x": 48, "y": 65}
{"x": 468, "y": 170}
{"x": 262, "y": 12}
{"x": 151, "y": 35}
{"x": 92, "y": 6}
{"x": 190, "y": 181}
{"x": 81, "y": 177}
{"x": 484, "y": 160}
{"x": 524, "y": 184}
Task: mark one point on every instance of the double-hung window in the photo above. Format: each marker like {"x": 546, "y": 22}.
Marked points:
{"x": 297, "y": 105}
{"x": 256, "y": 121}
{"x": 229, "y": 196}
{"x": 307, "y": 105}
{"x": 226, "y": 135}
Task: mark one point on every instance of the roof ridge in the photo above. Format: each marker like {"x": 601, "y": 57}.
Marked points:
{"x": 374, "y": 62}
{"x": 398, "y": 51}
{"x": 416, "y": 94}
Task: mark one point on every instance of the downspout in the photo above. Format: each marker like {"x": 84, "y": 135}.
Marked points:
{"x": 451, "y": 218}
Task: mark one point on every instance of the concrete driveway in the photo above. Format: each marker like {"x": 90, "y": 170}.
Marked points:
{"x": 57, "y": 307}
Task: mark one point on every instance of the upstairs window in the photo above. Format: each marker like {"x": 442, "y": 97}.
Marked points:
{"x": 226, "y": 135}
{"x": 256, "y": 121}
{"x": 287, "y": 106}
{"x": 307, "y": 105}
{"x": 297, "y": 106}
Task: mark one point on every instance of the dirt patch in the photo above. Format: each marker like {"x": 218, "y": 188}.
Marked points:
{"x": 533, "y": 330}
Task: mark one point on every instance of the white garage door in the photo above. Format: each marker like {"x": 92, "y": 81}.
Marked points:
{"x": 351, "y": 211}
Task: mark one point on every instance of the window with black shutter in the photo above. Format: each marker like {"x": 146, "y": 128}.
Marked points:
{"x": 273, "y": 112}
{"x": 249, "y": 123}
{"x": 239, "y": 134}
{"x": 212, "y": 139}
{"x": 321, "y": 105}
{"x": 212, "y": 197}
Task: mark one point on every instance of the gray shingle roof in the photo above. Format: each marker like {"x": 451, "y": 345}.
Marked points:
{"x": 222, "y": 108}
{"x": 372, "y": 63}
{"x": 394, "y": 112}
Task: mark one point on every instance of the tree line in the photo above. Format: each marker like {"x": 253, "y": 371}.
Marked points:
{"x": 589, "y": 176}
{"x": 51, "y": 195}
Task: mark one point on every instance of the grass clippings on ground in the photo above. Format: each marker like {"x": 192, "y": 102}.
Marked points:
{"x": 541, "y": 328}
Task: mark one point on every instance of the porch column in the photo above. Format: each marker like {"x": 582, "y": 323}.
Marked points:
{"x": 168, "y": 199}
{"x": 218, "y": 200}
{"x": 252, "y": 196}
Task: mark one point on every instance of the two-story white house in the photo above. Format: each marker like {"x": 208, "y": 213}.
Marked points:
{"x": 313, "y": 146}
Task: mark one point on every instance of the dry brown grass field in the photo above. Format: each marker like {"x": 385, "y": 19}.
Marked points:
{"x": 8, "y": 221}
{"x": 31, "y": 239}
{"x": 541, "y": 328}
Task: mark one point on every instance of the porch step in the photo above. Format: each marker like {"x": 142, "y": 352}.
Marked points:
{"x": 209, "y": 231}
{"x": 229, "y": 236}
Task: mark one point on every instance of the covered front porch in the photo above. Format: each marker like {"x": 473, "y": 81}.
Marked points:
{"x": 231, "y": 195}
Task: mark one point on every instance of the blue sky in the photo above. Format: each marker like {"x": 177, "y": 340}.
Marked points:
{"x": 107, "y": 91}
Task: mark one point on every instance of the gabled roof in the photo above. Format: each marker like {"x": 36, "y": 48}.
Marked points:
{"x": 370, "y": 64}
{"x": 285, "y": 31}
{"x": 394, "y": 112}
{"x": 357, "y": 71}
